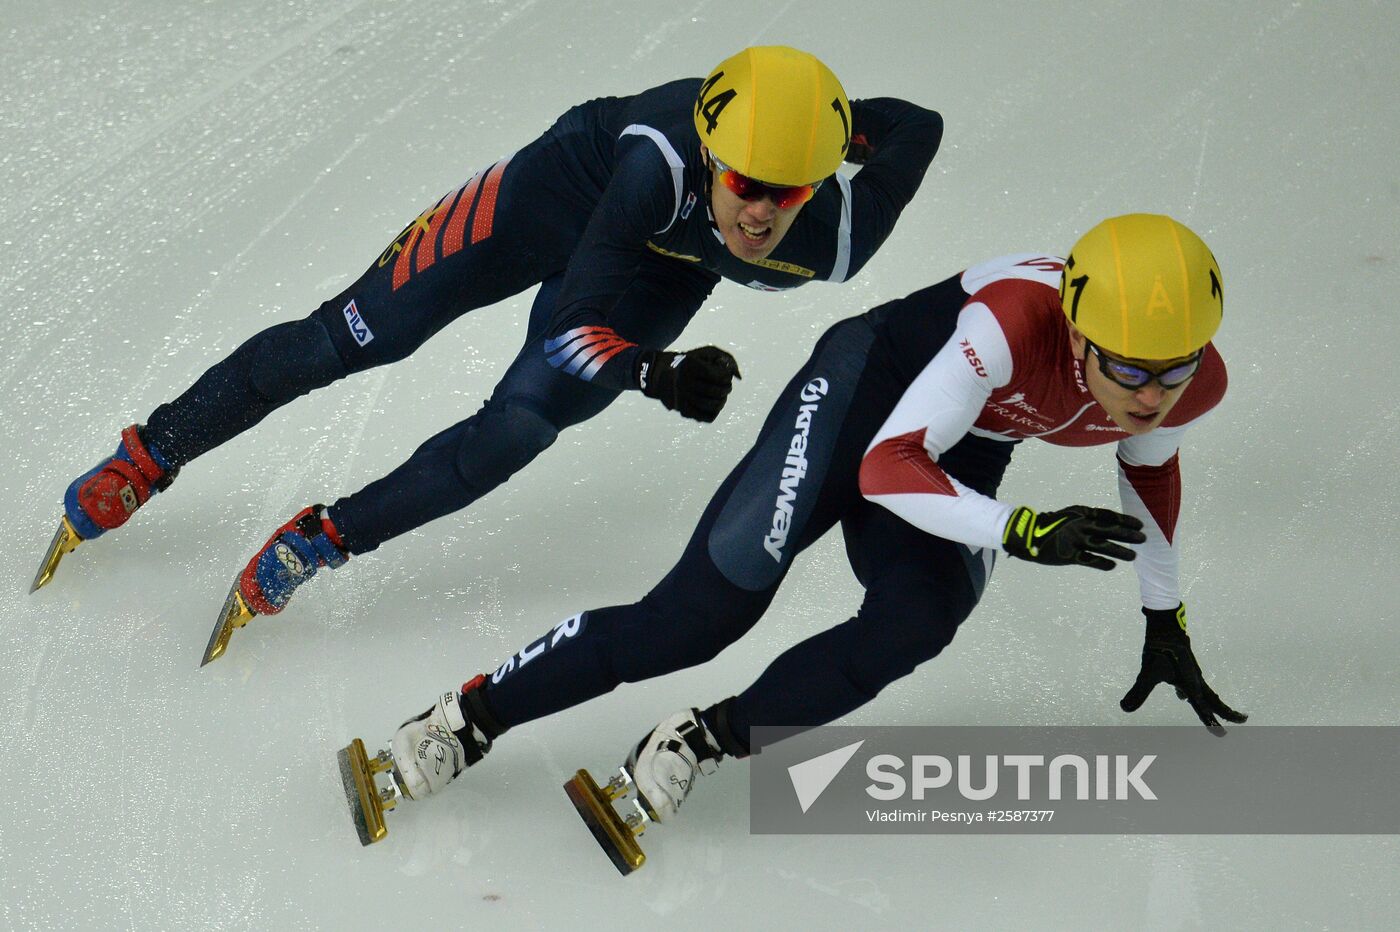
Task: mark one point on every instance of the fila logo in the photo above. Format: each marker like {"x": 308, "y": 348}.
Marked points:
{"x": 971, "y": 355}
{"x": 358, "y": 328}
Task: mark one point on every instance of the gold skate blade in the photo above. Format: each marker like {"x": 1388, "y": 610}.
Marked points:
{"x": 611, "y": 833}
{"x": 235, "y": 614}
{"x": 366, "y": 809}
{"x": 65, "y": 540}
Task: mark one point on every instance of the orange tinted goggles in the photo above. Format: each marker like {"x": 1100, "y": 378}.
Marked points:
{"x": 750, "y": 189}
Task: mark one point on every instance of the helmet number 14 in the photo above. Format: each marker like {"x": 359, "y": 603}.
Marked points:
{"x": 710, "y": 108}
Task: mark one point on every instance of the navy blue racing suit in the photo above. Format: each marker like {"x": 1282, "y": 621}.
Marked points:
{"x": 609, "y": 212}
{"x": 800, "y": 479}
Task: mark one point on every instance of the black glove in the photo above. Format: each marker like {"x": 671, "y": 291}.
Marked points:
{"x": 1077, "y": 534}
{"x": 869, "y": 125}
{"x": 860, "y": 150}
{"x": 694, "y": 383}
{"x": 1167, "y": 658}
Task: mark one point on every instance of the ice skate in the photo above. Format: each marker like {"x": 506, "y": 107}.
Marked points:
{"x": 653, "y": 783}
{"x": 425, "y": 754}
{"x": 65, "y": 541}
{"x": 290, "y": 557}
{"x": 104, "y": 498}
{"x": 368, "y": 798}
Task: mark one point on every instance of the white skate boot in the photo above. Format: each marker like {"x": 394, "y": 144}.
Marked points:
{"x": 430, "y": 750}
{"x": 666, "y": 762}
{"x": 425, "y": 754}
{"x": 659, "y": 775}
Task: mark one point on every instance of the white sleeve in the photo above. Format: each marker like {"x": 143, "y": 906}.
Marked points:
{"x": 900, "y": 470}
{"x": 1152, "y": 448}
{"x": 1149, "y": 485}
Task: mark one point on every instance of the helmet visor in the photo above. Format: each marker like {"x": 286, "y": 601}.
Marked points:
{"x": 751, "y": 189}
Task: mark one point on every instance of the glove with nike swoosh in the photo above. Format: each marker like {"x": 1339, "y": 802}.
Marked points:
{"x": 1075, "y": 535}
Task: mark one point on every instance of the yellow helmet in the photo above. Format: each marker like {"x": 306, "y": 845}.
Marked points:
{"x": 1143, "y": 286}
{"x": 775, "y": 114}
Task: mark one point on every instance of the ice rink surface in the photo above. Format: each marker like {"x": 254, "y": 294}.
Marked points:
{"x": 175, "y": 177}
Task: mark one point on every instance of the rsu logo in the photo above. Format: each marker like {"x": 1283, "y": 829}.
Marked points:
{"x": 358, "y": 328}
{"x": 972, "y": 358}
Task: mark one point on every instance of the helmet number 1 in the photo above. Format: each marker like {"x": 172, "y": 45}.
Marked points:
{"x": 1077, "y": 284}
{"x": 710, "y": 108}
{"x": 845, "y": 126}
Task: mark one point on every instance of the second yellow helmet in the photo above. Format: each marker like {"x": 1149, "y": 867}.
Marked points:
{"x": 1143, "y": 286}
{"x": 776, "y": 114}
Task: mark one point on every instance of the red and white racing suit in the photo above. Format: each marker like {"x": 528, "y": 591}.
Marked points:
{"x": 1009, "y": 373}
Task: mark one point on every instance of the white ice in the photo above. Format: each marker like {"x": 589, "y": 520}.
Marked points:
{"x": 175, "y": 177}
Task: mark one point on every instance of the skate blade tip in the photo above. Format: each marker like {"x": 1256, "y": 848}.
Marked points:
{"x": 65, "y": 541}
{"x": 612, "y": 834}
{"x": 235, "y": 614}
{"x": 361, "y": 793}
{"x": 216, "y": 647}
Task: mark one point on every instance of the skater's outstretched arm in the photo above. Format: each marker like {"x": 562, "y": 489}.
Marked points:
{"x": 639, "y": 202}
{"x": 1149, "y": 484}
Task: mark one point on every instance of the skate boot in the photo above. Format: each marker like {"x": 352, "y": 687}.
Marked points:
{"x": 658, "y": 776}
{"x": 105, "y": 496}
{"x": 290, "y": 557}
{"x": 425, "y": 754}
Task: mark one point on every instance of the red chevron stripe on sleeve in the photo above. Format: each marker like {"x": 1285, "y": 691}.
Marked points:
{"x": 427, "y": 250}
{"x": 456, "y": 227}
{"x": 900, "y": 465}
{"x": 1159, "y": 487}
{"x": 486, "y": 209}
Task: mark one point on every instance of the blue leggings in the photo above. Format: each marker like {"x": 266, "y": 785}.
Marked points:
{"x": 918, "y": 588}
{"x": 418, "y": 286}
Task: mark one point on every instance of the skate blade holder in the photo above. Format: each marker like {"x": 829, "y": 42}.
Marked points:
{"x": 235, "y": 614}
{"x": 65, "y": 541}
{"x": 617, "y": 836}
{"x": 368, "y": 800}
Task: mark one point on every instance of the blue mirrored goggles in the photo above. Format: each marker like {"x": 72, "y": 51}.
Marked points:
{"x": 1135, "y": 377}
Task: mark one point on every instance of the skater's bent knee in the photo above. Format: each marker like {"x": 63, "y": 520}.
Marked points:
{"x": 502, "y": 439}
{"x": 292, "y": 359}
{"x": 672, "y": 633}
